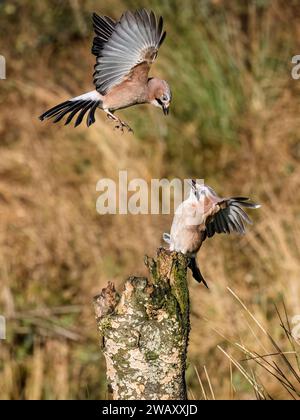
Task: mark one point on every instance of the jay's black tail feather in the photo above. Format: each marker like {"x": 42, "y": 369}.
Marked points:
{"x": 196, "y": 271}
{"x": 72, "y": 107}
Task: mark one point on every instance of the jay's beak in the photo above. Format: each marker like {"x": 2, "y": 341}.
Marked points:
{"x": 165, "y": 109}
{"x": 192, "y": 184}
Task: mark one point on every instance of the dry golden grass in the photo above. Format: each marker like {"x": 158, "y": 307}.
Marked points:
{"x": 235, "y": 122}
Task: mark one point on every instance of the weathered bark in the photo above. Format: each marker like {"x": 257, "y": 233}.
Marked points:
{"x": 145, "y": 331}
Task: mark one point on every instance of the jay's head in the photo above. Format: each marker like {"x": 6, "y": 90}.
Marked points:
{"x": 160, "y": 94}
{"x": 198, "y": 191}
{"x": 196, "y": 207}
{"x": 201, "y": 193}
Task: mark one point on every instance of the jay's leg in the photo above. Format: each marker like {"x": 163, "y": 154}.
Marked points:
{"x": 120, "y": 124}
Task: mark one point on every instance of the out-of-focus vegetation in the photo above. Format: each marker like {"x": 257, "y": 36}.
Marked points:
{"x": 234, "y": 121}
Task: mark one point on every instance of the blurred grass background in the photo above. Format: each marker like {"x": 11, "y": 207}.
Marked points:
{"x": 234, "y": 122}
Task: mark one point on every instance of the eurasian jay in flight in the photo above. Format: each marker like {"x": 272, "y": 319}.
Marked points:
{"x": 202, "y": 215}
{"x": 125, "y": 50}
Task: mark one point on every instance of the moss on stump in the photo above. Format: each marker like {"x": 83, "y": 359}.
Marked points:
{"x": 145, "y": 331}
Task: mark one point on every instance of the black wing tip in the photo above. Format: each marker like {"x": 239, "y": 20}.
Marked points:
{"x": 162, "y": 38}
{"x": 101, "y": 20}
{"x": 245, "y": 201}
{"x": 142, "y": 10}
{"x": 148, "y": 11}
{"x": 254, "y": 205}
{"x": 246, "y": 204}
{"x": 103, "y": 26}
{"x": 158, "y": 23}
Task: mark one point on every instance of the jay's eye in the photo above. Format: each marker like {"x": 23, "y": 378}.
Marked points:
{"x": 164, "y": 98}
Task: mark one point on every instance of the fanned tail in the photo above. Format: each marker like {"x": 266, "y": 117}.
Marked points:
{"x": 86, "y": 103}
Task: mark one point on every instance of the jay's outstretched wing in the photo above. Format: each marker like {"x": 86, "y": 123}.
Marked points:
{"x": 231, "y": 217}
{"x": 123, "y": 45}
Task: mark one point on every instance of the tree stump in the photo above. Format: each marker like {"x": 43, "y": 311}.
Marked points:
{"x": 144, "y": 331}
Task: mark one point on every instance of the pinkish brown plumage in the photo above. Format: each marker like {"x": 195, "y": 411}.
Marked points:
{"x": 125, "y": 50}
{"x": 202, "y": 215}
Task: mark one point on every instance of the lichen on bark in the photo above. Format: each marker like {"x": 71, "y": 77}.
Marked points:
{"x": 145, "y": 331}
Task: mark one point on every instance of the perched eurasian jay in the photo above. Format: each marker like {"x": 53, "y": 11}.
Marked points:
{"x": 125, "y": 50}
{"x": 202, "y": 215}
